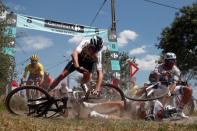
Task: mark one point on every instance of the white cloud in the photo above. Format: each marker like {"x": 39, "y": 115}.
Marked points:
{"x": 147, "y": 63}
{"x": 34, "y": 43}
{"x": 139, "y": 50}
{"x": 125, "y": 36}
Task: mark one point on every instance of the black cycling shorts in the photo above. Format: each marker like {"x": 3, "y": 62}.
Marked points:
{"x": 87, "y": 65}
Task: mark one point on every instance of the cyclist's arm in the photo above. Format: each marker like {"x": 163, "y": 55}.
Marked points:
{"x": 74, "y": 56}
{"x": 175, "y": 78}
{"x": 99, "y": 79}
{"x": 25, "y": 73}
{"x": 76, "y": 52}
{"x": 99, "y": 71}
{"x": 176, "y": 73}
{"x": 157, "y": 69}
{"x": 41, "y": 74}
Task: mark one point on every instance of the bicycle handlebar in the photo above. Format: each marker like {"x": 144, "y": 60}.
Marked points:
{"x": 35, "y": 82}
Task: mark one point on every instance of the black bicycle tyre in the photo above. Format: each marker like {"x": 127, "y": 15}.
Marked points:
{"x": 110, "y": 86}
{"x": 147, "y": 99}
{"x": 9, "y": 96}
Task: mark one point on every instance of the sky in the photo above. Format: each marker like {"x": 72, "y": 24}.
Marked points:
{"x": 139, "y": 25}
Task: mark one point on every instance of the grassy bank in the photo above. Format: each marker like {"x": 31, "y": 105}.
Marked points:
{"x": 10, "y": 122}
{"x": 2, "y": 107}
{"x": 15, "y": 123}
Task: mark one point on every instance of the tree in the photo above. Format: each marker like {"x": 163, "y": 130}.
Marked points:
{"x": 181, "y": 38}
{"x": 125, "y": 79}
{"x": 7, "y": 63}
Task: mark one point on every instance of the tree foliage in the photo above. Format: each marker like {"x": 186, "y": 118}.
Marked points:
{"x": 7, "y": 63}
{"x": 181, "y": 38}
{"x": 125, "y": 79}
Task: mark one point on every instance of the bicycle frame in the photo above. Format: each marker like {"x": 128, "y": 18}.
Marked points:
{"x": 47, "y": 106}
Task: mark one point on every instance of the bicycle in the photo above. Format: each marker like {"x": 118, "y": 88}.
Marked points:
{"x": 47, "y": 106}
{"x": 148, "y": 92}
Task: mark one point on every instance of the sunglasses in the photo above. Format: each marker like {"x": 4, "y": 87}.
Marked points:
{"x": 170, "y": 61}
{"x": 34, "y": 62}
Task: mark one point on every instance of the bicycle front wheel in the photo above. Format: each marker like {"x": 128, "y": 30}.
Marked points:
{"x": 110, "y": 95}
{"x": 27, "y": 101}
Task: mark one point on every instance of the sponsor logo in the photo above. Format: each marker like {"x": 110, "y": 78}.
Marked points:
{"x": 64, "y": 26}
{"x": 114, "y": 55}
{"x": 116, "y": 75}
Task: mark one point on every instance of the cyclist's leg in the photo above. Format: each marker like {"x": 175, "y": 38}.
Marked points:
{"x": 37, "y": 81}
{"x": 29, "y": 82}
{"x": 59, "y": 78}
{"x": 185, "y": 93}
{"x": 105, "y": 116}
{"x": 112, "y": 106}
{"x": 86, "y": 77}
{"x": 109, "y": 104}
{"x": 67, "y": 70}
{"x": 158, "y": 110}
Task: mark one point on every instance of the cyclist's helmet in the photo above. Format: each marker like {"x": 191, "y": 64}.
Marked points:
{"x": 169, "y": 59}
{"x": 97, "y": 43}
{"x": 34, "y": 58}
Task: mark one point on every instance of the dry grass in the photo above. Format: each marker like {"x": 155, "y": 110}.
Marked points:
{"x": 10, "y": 122}
{"x": 15, "y": 123}
{"x": 2, "y": 107}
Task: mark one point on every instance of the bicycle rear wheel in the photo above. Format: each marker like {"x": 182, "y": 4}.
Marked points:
{"x": 28, "y": 101}
{"x": 110, "y": 95}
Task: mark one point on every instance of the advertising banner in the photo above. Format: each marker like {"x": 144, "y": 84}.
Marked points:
{"x": 57, "y": 27}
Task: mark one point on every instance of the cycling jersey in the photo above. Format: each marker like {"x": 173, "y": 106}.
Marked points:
{"x": 175, "y": 72}
{"x": 175, "y": 76}
{"x": 88, "y": 57}
{"x": 36, "y": 70}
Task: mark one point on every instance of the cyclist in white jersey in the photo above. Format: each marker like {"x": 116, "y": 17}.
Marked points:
{"x": 87, "y": 53}
{"x": 169, "y": 72}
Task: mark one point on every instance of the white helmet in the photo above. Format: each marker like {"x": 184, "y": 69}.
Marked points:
{"x": 170, "y": 56}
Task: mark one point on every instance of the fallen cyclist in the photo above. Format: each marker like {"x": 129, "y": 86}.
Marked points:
{"x": 167, "y": 71}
